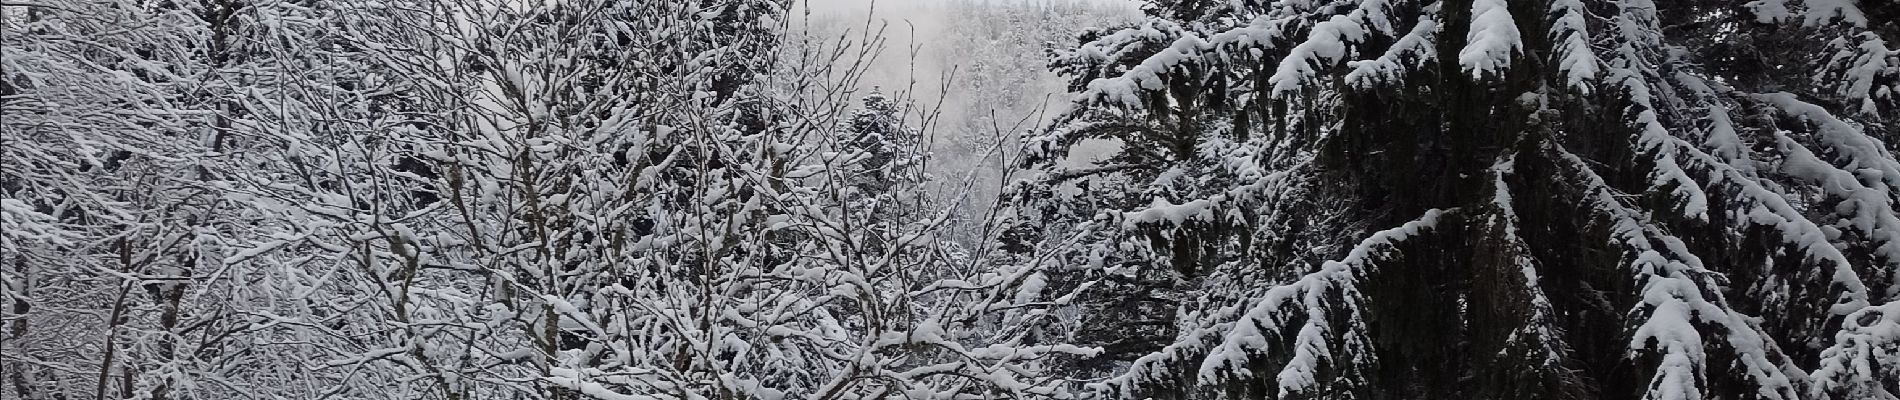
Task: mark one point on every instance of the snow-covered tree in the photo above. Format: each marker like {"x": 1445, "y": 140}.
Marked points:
{"x": 1481, "y": 199}
{"x": 121, "y": 126}
{"x": 882, "y": 167}
{"x": 370, "y": 199}
{"x": 691, "y": 199}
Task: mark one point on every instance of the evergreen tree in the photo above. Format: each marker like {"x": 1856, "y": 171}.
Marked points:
{"x": 1384, "y": 199}
{"x": 1482, "y": 199}
{"x": 884, "y": 162}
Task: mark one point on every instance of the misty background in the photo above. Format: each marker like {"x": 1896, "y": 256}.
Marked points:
{"x": 991, "y": 53}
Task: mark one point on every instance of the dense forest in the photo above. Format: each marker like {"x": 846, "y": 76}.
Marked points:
{"x": 981, "y": 199}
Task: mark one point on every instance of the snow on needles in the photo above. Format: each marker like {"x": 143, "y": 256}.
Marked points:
{"x": 1577, "y": 60}
{"x": 1675, "y": 307}
{"x": 1867, "y": 346}
{"x": 1392, "y": 65}
{"x": 1329, "y": 42}
{"x": 1311, "y": 295}
{"x": 1815, "y": 12}
{"x": 1492, "y": 41}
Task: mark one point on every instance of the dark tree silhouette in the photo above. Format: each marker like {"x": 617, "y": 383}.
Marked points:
{"x": 1489, "y": 199}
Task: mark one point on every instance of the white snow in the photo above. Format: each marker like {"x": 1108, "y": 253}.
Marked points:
{"x": 1865, "y": 352}
{"x": 1308, "y": 302}
{"x": 1861, "y": 66}
{"x": 1492, "y": 42}
{"x": 1673, "y": 307}
{"x": 1577, "y": 60}
{"x": 1411, "y": 51}
{"x": 1163, "y": 212}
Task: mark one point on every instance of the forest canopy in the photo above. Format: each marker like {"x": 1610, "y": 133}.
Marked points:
{"x": 1061, "y": 199}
